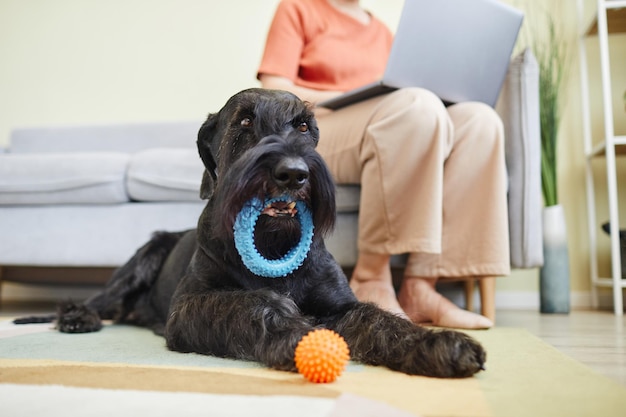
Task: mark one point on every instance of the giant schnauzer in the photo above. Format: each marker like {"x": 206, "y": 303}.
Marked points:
{"x": 252, "y": 279}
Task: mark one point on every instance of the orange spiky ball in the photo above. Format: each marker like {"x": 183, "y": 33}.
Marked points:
{"x": 321, "y": 355}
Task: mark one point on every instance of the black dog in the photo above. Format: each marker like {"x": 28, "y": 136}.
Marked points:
{"x": 193, "y": 287}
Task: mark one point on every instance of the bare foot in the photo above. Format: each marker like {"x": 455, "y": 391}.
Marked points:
{"x": 423, "y": 304}
{"x": 372, "y": 282}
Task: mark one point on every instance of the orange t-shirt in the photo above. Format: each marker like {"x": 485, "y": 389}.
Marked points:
{"x": 316, "y": 46}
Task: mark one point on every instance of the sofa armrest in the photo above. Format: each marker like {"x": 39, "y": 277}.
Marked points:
{"x": 518, "y": 107}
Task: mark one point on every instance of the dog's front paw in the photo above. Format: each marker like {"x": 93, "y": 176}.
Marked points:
{"x": 73, "y": 318}
{"x": 452, "y": 354}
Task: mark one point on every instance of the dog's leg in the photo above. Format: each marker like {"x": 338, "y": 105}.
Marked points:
{"x": 251, "y": 325}
{"x": 377, "y": 337}
{"x": 120, "y": 293}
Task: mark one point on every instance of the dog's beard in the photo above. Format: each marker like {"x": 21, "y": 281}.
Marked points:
{"x": 275, "y": 236}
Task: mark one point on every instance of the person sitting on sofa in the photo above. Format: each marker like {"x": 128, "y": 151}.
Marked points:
{"x": 433, "y": 179}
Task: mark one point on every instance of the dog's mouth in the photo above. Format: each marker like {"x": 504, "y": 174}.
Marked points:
{"x": 277, "y": 248}
{"x": 280, "y": 209}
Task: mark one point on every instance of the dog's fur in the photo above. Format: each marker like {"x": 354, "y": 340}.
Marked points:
{"x": 193, "y": 288}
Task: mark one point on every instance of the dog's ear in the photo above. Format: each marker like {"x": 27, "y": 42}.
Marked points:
{"x": 206, "y": 149}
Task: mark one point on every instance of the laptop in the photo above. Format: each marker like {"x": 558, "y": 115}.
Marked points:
{"x": 458, "y": 49}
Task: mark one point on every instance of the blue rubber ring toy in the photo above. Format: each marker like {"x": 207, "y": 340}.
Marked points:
{"x": 244, "y": 240}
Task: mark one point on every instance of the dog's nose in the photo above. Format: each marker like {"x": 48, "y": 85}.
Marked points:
{"x": 291, "y": 173}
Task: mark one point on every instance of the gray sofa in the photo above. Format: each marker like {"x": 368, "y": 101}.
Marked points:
{"x": 89, "y": 196}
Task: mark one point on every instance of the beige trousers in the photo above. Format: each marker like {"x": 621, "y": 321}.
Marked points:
{"x": 433, "y": 181}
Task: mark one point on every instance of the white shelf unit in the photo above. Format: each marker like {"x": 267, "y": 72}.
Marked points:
{"x": 610, "y": 17}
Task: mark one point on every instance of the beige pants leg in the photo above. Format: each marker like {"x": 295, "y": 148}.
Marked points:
{"x": 433, "y": 180}
{"x": 475, "y": 226}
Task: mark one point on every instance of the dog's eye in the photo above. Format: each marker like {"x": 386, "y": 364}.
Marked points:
{"x": 303, "y": 127}
{"x": 246, "y": 122}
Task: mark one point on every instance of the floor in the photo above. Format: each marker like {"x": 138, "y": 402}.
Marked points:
{"x": 595, "y": 338}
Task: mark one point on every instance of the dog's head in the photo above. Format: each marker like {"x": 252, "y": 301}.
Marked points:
{"x": 262, "y": 144}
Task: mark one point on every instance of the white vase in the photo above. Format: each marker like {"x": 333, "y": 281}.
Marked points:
{"x": 554, "y": 277}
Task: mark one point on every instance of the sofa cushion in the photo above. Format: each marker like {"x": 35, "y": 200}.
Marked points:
{"x": 63, "y": 178}
{"x": 165, "y": 174}
{"x": 100, "y": 235}
{"x": 347, "y": 198}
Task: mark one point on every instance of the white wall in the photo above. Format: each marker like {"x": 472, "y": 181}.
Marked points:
{"x": 101, "y": 61}
{"x": 106, "y": 61}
